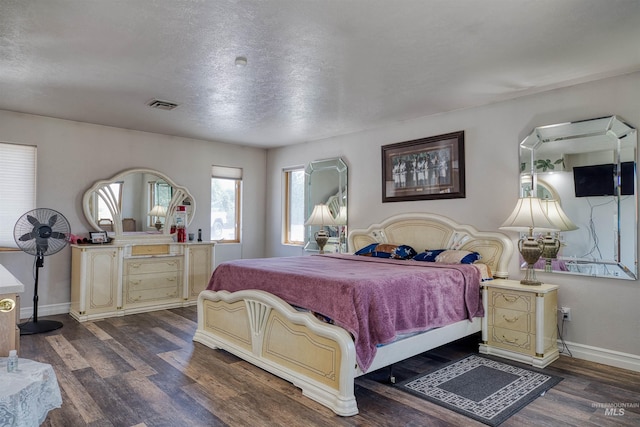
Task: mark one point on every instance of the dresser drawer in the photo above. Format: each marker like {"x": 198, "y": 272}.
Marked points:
{"x": 153, "y": 281}
{"x": 515, "y": 340}
{"x": 512, "y": 300}
{"x": 151, "y": 295}
{"x": 150, "y": 250}
{"x": 514, "y": 320}
{"x": 152, "y": 265}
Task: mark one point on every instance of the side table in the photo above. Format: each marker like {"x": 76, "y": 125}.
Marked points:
{"x": 520, "y": 321}
{"x": 28, "y": 394}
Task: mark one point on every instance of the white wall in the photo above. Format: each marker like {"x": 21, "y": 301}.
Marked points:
{"x": 605, "y": 315}
{"x": 73, "y": 155}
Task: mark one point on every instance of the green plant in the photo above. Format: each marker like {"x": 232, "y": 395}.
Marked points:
{"x": 546, "y": 165}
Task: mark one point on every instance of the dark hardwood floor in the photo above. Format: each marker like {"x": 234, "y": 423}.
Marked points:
{"x": 144, "y": 370}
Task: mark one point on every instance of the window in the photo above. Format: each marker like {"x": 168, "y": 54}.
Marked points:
{"x": 160, "y": 194}
{"x": 226, "y": 186}
{"x": 17, "y": 187}
{"x": 294, "y": 206}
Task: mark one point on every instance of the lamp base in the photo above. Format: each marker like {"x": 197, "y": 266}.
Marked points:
{"x": 321, "y": 239}
{"x": 530, "y": 249}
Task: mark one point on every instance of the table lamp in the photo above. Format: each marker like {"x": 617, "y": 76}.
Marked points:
{"x": 158, "y": 211}
{"x": 321, "y": 216}
{"x": 528, "y": 216}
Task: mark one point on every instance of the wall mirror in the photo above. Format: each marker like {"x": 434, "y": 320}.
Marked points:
{"x": 326, "y": 183}
{"x": 589, "y": 169}
{"x": 136, "y": 204}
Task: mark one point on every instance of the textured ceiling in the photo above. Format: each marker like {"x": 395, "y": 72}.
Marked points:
{"x": 316, "y": 68}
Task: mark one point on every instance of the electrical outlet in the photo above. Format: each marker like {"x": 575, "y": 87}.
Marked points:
{"x": 566, "y": 313}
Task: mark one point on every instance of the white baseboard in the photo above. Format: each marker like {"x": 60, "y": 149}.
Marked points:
{"x": 602, "y": 355}
{"x": 44, "y": 310}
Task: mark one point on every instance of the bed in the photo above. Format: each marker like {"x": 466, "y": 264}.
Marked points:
{"x": 321, "y": 358}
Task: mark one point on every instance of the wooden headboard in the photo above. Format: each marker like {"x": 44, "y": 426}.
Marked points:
{"x": 424, "y": 231}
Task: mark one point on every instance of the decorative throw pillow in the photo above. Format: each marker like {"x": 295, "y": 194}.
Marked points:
{"x": 387, "y": 250}
{"x": 458, "y": 257}
{"x": 429, "y": 256}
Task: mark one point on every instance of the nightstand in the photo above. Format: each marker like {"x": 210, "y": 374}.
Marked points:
{"x": 520, "y": 321}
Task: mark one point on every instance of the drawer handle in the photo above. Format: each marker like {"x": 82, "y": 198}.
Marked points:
{"x": 509, "y": 299}
{"x": 513, "y": 341}
{"x": 135, "y": 282}
{"x": 510, "y": 320}
{"x": 135, "y": 265}
{"x": 171, "y": 279}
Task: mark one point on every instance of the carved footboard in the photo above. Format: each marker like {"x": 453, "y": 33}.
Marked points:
{"x": 264, "y": 330}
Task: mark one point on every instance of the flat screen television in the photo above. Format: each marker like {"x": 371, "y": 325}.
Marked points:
{"x": 597, "y": 180}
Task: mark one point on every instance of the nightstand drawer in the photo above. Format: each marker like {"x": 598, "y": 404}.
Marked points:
{"x": 512, "y": 300}
{"x": 514, "y": 320}
{"x": 506, "y": 338}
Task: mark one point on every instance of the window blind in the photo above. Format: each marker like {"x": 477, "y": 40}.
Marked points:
{"x": 226, "y": 172}
{"x": 17, "y": 187}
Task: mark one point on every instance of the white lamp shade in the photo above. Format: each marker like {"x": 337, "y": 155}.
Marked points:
{"x": 158, "y": 211}
{"x": 557, "y": 216}
{"x": 321, "y": 216}
{"x": 528, "y": 215}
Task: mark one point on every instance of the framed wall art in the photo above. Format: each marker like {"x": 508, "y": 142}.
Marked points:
{"x": 424, "y": 169}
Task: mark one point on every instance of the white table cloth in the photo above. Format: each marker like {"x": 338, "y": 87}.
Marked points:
{"x": 28, "y": 394}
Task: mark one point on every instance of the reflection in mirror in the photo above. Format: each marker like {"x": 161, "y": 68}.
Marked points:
{"x": 588, "y": 168}
{"x": 326, "y": 183}
{"x": 136, "y": 203}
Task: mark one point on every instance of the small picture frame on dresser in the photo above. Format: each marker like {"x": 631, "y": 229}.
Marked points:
{"x": 98, "y": 236}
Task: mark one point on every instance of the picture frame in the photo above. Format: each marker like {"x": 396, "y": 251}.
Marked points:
{"x": 424, "y": 169}
{"x": 98, "y": 236}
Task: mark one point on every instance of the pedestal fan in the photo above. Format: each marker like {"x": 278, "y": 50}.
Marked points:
{"x": 41, "y": 232}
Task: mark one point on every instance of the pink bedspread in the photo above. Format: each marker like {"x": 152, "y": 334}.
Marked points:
{"x": 374, "y": 299}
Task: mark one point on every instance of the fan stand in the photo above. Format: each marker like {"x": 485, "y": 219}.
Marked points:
{"x": 37, "y": 327}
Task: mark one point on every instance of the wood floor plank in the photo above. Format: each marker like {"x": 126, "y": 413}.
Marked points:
{"x": 144, "y": 370}
{"x": 82, "y": 402}
{"x": 132, "y": 359}
{"x": 97, "y": 331}
{"x": 67, "y": 352}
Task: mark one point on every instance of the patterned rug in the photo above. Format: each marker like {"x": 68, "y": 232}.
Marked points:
{"x": 481, "y": 388}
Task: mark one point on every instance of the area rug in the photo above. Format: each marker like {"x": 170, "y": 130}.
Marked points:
{"x": 481, "y": 388}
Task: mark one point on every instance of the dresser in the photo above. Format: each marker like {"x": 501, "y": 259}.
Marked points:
{"x": 10, "y": 287}
{"x": 520, "y": 321}
{"x": 118, "y": 279}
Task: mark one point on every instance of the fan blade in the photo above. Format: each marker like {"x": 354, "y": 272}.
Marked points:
{"x": 33, "y": 220}
{"x": 53, "y": 220}
{"x": 58, "y": 235}
{"x": 27, "y": 236}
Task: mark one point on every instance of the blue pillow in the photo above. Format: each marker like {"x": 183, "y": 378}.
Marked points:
{"x": 429, "y": 256}
{"x": 448, "y": 256}
{"x": 387, "y": 250}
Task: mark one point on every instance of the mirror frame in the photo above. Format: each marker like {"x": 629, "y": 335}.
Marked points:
{"x": 338, "y": 165}
{"x": 595, "y": 138}
{"x": 101, "y": 189}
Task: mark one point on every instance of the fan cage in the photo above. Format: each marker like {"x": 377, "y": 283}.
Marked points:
{"x": 42, "y": 232}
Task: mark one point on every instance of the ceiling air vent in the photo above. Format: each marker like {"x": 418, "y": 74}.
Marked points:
{"x": 162, "y": 105}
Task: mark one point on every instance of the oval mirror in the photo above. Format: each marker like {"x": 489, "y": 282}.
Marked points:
{"x": 326, "y": 184}
{"x": 136, "y": 204}
{"x": 590, "y": 168}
